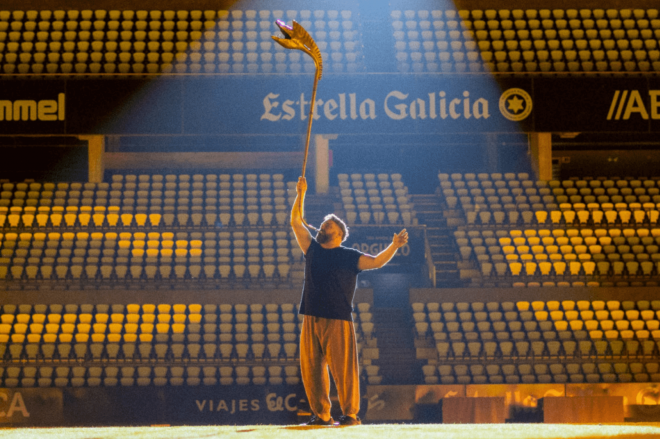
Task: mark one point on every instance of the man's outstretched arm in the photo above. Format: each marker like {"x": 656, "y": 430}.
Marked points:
{"x": 368, "y": 262}
{"x": 303, "y": 236}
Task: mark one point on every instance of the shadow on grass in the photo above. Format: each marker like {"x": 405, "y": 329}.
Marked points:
{"x": 307, "y": 427}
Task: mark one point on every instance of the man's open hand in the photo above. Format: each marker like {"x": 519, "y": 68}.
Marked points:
{"x": 400, "y": 239}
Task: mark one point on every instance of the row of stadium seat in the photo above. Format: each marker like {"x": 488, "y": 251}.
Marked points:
{"x": 12, "y": 194}
{"x": 110, "y": 376}
{"x": 519, "y": 43}
{"x": 545, "y": 331}
{"x": 38, "y": 240}
{"x": 140, "y": 200}
{"x": 633, "y": 214}
{"x": 207, "y": 217}
{"x": 559, "y": 245}
{"x": 487, "y": 188}
{"x": 543, "y": 349}
{"x": 557, "y": 196}
{"x": 56, "y": 217}
{"x": 538, "y": 305}
{"x": 568, "y": 194}
{"x": 94, "y": 348}
{"x": 594, "y": 273}
{"x": 572, "y": 182}
{"x": 223, "y": 181}
{"x": 531, "y": 14}
{"x": 182, "y": 14}
{"x": 155, "y": 240}
{"x": 207, "y": 310}
{"x": 162, "y": 41}
{"x": 88, "y": 269}
{"x": 541, "y": 373}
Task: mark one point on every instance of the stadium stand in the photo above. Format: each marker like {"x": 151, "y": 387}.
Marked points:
{"x": 375, "y": 200}
{"x": 154, "y": 231}
{"x": 238, "y": 41}
{"x": 596, "y": 230}
{"x": 538, "y": 342}
{"x": 101, "y": 226}
{"x": 102, "y": 42}
{"x": 573, "y": 41}
{"x": 156, "y": 344}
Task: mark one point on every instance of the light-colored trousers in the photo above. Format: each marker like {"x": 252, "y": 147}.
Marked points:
{"x": 330, "y": 344}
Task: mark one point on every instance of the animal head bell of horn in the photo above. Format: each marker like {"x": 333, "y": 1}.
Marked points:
{"x": 296, "y": 37}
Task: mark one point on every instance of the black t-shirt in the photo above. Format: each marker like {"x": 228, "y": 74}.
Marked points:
{"x": 330, "y": 281}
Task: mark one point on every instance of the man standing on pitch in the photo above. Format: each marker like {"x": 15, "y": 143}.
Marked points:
{"x": 327, "y": 340}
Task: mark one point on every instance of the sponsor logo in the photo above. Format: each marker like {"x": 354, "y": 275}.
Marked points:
{"x": 375, "y": 403}
{"x": 431, "y": 107}
{"x": 16, "y": 406}
{"x": 273, "y": 403}
{"x": 516, "y": 104}
{"x": 625, "y": 103}
{"x": 228, "y": 406}
{"x": 30, "y": 110}
{"x": 341, "y": 108}
{"x": 376, "y": 248}
{"x": 649, "y": 396}
{"x": 396, "y": 106}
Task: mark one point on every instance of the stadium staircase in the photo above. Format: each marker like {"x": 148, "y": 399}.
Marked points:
{"x": 430, "y": 211}
{"x": 397, "y": 358}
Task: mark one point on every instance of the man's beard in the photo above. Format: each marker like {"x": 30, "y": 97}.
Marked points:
{"x": 322, "y": 237}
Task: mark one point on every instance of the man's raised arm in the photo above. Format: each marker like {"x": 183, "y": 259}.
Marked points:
{"x": 303, "y": 236}
{"x": 368, "y": 262}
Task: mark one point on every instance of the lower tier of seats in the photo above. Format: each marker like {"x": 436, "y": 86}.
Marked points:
{"x": 558, "y": 371}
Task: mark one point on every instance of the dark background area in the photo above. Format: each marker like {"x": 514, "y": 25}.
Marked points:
{"x": 49, "y": 159}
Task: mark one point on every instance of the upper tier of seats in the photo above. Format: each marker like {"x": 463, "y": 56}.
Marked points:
{"x": 512, "y": 199}
{"x": 375, "y": 198}
{"x": 124, "y": 216}
{"x": 139, "y": 42}
{"x": 108, "y": 256}
{"x": 152, "y": 201}
{"x": 94, "y": 42}
{"x": 239, "y": 199}
{"x": 574, "y": 41}
{"x": 215, "y": 229}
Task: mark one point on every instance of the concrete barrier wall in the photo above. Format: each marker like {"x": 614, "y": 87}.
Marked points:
{"x": 420, "y": 403}
{"x": 285, "y": 404}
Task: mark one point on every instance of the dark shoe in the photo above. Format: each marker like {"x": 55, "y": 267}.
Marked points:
{"x": 315, "y": 420}
{"x": 347, "y": 421}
